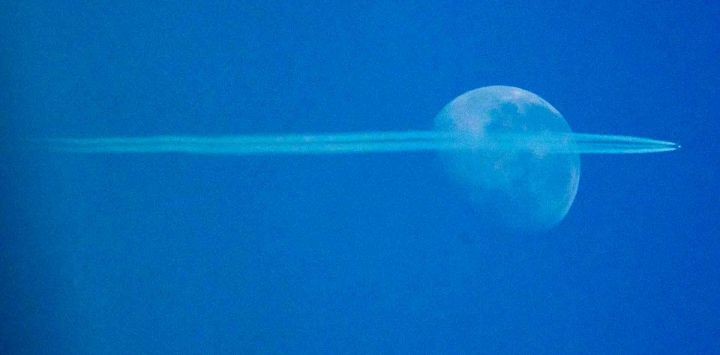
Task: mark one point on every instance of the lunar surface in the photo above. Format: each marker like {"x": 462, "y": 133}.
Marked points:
{"x": 526, "y": 189}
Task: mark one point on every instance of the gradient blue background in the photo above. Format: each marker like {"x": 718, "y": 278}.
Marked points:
{"x": 351, "y": 254}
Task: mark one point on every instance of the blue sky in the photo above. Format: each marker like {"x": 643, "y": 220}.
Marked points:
{"x": 376, "y": 253}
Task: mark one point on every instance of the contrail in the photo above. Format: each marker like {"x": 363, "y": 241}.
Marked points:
{"x": 364, "y": 142}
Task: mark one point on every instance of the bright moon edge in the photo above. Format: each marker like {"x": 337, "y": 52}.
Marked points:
{"x": 365, "y": 142}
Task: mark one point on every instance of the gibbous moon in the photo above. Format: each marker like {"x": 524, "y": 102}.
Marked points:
{"x": 527, "y": 189}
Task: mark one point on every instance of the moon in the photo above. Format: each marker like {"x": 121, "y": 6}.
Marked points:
{"x": 527, "y": 189}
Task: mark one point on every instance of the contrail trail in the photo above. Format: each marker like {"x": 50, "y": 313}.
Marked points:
{"x": 364, "y": 142}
